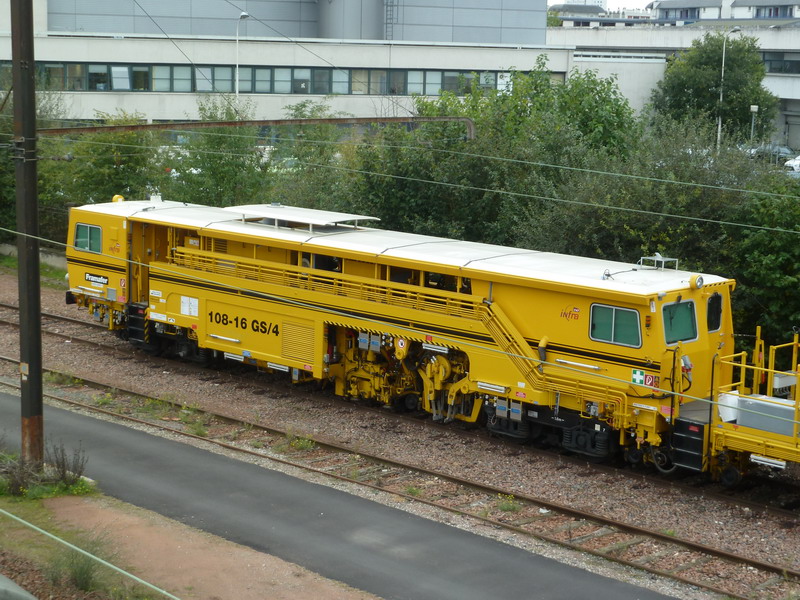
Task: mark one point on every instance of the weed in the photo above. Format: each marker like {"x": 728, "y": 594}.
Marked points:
{"x": 170, "y": 398}
{"x": 77, "y": 568}
{"x": 669, "y": 532}
{"x": 257, "y": 444}
{"x": 413, "y": 491}
{"x": 507, "y": 503}
{"x": 154, "y": 406}
{"x": 67, "y": 469}
{"x": 303, "y": 443}
{"x": 103, "y": 399}
{"x": 56, "y": 378}
{"x": 295, "y": 442}
{"x": 197, "y": 428}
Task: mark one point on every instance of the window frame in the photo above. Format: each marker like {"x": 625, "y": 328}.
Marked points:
{"x": 614, "y": 310}
{"x": 717, "y": 297}
{"x": 89, "y": 247}
{"x": 694, "y": 320}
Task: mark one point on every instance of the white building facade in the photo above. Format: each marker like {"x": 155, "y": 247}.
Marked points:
{"x": 108, "y": 55}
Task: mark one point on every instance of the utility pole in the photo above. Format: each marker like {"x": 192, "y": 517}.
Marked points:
{"x": 30, "y": 337}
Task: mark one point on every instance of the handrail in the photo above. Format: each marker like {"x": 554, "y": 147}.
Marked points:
{"x": 505, "y": 334}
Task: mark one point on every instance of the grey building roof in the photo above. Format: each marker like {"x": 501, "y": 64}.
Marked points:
{"x": 586, "y": 9}
{"x": 765, "y": 3}
{"x": 688, "y": 4}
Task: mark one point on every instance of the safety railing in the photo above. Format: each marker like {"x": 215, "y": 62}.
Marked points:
{"x": 446, "y": 303}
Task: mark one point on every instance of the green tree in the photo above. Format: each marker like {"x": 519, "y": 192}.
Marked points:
{"x": 49, "y": 107}
{"x": 432, "y": 180}
{"x": 766, "y": 259}
{"x": 93, "y": 167}
{"x": 215, "y": 166}
{"x": 7, "y": 169}
{"x": 304, "y": 160}
{"x": 691, "y": 85}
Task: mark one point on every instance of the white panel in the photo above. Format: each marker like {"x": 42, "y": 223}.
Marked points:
{"x": 104, "y": 23}
{"x": 159, "y": 8}
{"x": 477, "y": 35}
{"x": 476, "y": 18}
{"x": 103, "y": 7}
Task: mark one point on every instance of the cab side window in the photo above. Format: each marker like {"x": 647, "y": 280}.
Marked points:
{"x": 88, "y": 237}
{"x": 714, "y": 314}
{"x": 615, "y": 325}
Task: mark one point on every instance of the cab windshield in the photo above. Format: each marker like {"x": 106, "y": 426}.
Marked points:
{"x": 680, "y": 324}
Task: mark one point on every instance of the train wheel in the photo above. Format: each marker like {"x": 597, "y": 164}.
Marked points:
{"x": 730, "y": 476}
{"x": 634, "y": 456}
{"x": 405, "y": 403}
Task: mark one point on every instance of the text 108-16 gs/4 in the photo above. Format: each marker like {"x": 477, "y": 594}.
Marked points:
{"x": 242, "y": 323}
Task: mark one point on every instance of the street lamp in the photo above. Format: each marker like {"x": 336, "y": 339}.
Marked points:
{"x": 721, "y": 82}
{"x": 241, "y": 18}
{"x": 753, "y": 111}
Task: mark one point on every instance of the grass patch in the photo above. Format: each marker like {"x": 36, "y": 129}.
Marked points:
{"x": 413, "y": 491}
{"x": 105, "y": 399}
{"x": 507, "y": 503}
{"x": 49, "y": 276}
{"x": 197, "y": 428}
{"x": 63, "y": 475}
{"x": 55, "y": 378}
{"x": 293, "y": 442}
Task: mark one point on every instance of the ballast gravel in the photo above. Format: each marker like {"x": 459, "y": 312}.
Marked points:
{"x": 304, "y": 411}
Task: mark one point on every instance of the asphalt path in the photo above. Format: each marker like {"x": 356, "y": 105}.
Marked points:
{"x": 366, "y": 545}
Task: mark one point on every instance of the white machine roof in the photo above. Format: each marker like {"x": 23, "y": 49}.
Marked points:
{"x": 329, "y": 232}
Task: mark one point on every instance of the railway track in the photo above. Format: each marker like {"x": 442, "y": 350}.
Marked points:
{"x": 774, "y": 495}
{"x": 656, "y": 552}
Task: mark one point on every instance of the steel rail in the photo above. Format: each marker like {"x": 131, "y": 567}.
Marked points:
{"x": 782, "y": 571}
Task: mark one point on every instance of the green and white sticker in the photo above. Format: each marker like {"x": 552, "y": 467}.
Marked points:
{"x": 637, "y": 376}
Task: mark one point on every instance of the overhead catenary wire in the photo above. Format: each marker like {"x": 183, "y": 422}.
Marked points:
{"x": 534, "y": 196}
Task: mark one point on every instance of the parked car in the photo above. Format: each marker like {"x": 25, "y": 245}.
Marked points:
{"x": 793, "y": 164}
{"x": 774, "y": 153}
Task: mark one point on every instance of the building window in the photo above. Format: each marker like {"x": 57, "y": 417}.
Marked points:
{"x": 377, "y": 82}
{"x": 360, "y": 81}
{"x": 680, "y": 324}
{"x": 341, "y": 81}
{"x": 120, "y": 78}
{"x": 203, "y": 79}
{"x": 433, "y": 83}
{"x": 245, "y": 79}
{"x": 263, "y": 81}
{"x": 415, "y": 82}
{"x": 181, "y": 79}
{"x": 322, "y": 81}
{"x": 301, "y": 81}
{"x": 213, "y": 79}
{"x": 283, "y": 81}
{"x": 140, "y": 79}
{"x": 223, "y": 79}
{"x": 397, "y": 82}
{"x": 162, "y": 79}
{"x": 98, "y": 77}
{"x": 76, "y": 77}
{"x": 53, "y": 75}
{"x": 488, "y": 81}
{"x": 615, "y": 325}
{"x": 88, "y": 237}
